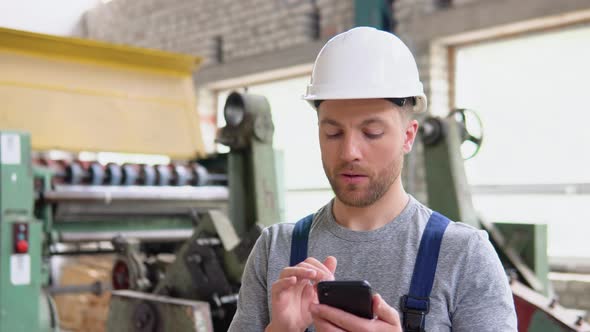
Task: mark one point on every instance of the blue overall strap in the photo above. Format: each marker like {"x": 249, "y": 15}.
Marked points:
{"x": 299, "y": 240}
{"x": 416, "y": 304}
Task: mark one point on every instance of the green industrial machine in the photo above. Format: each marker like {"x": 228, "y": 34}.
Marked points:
{"x": 181, "y": 234}
{"x": 24, "y": 305}
{"x": 522, "y": 247}
{"x": 180, "y": 231}
{"x": 203, "y": 277}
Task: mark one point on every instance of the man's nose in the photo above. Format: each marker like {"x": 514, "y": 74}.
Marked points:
{"x": 350, "y": 150}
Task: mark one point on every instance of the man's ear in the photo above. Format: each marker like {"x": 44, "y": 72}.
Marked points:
{"x": 410, "y": 134}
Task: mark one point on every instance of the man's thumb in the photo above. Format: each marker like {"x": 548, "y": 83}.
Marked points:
{"x": 384, "y": 312}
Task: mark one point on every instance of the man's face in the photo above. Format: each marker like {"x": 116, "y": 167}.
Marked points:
{"x": 363, "y": 142}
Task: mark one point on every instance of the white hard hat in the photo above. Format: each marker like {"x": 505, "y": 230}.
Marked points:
{"x": 363, "y": 63}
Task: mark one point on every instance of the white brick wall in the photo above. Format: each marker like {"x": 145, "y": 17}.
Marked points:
{"x": 247, "y": 27}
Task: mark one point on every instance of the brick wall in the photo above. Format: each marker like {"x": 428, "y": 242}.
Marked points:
{"x": 203, "y": 27}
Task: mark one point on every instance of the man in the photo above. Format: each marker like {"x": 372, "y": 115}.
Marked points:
{"x": 365, "y": 87}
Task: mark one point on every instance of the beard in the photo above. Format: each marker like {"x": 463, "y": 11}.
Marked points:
{"x": 363, "y": 195}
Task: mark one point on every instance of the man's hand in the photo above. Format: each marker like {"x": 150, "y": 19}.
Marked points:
{"x": 293, "y": 293}
{"x": 330, "y": 319}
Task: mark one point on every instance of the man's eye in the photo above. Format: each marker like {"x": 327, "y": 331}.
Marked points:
{"x": 333, "y": 134}
{"x": 373, "y": 135}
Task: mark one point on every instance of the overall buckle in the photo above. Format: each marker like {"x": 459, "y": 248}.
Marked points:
{"x": 414, "y": 316}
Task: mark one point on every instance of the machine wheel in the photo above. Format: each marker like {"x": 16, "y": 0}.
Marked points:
{"x": 471, "y": 131}
{"x": 145, "y": 318}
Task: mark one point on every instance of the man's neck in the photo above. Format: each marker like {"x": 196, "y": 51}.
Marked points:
{"x": 374, "y": 216}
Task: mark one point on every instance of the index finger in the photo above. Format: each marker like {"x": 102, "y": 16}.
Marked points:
{"x": 319, "y": 265}
{"x": 299, "y": 272}
{"x": 321, "y": 274}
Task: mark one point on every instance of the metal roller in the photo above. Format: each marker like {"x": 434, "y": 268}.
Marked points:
{"x": 200, "y": 175}
{"x": 147, "y": 175}
{"x": 114, "y": 174}
{"x": 164, "y": 175}
{"x": 182, "y": 176}
{"x": 74, "y": 173}
{"x": 136, "y": 193}
{"x": 130, "y": 174}
{"x": 173, "y": 235}
{"x": 96, "y": 174}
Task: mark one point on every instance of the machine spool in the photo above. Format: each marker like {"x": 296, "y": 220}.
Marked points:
{"x": 74, "y": 173}
{"x": 164, "y": 175}
{"x": 96, "y": 174}
{"x": 130, "y": 174}
{"x": 147, "y": 175}
{"x": 199, "y": 175}
{"x": 113, "y": 174}
{"x": 182, "y": 176}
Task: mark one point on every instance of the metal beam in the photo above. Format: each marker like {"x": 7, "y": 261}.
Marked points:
{"x": 532, "y": 189}
{"x": 490, "y": 14}
{"x": 286, "y": 58}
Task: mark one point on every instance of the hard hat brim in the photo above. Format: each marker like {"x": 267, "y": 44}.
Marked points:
{"x": 420, "y": 106}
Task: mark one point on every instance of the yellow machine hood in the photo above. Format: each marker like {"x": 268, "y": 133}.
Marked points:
{"x": 81, "y": 95}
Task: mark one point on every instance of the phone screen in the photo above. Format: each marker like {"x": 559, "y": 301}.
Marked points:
{"x": 355, "y": 297}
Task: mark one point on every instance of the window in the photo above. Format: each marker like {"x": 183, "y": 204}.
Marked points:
{"x": 531, "y": 93}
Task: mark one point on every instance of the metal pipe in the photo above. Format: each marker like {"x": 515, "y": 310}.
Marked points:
{"x": 108, "y": 194}
{"x": 173, "y": 235}
{"x": 82, "y": 252}
{"x": 532, "y": 189}
{"x": 96, "y": 288}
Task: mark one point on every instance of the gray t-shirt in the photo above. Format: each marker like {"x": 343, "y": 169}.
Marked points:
{"x": 470, "y": 291}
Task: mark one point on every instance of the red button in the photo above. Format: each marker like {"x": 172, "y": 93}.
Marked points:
{"x": 22, "y": 246}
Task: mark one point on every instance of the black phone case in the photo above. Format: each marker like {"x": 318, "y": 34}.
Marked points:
{"x": 354, "y": 297}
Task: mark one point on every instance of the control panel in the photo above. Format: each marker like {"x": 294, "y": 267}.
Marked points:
{"x": 20, "y": 238}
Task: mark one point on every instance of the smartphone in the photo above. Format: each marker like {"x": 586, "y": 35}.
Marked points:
{"x": 355, "y": 297}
